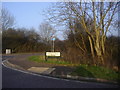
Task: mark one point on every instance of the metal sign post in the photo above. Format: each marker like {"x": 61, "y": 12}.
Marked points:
{"x": 52, "y": 54}
{"x": 53, "y": 39}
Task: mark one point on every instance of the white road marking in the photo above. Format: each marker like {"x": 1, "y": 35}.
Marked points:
{"x": 52, "y": 77}
{"x": 39, "y": 74}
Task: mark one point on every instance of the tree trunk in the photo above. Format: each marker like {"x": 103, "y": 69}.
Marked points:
{"x": 103, "y": 44}
{"x": 92, "y": 50}
{"x": 98, "y": 48}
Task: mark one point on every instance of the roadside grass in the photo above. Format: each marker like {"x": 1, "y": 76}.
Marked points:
{"x": 96, "y": 72}
{"x": 82, "y": 70}
{"x": 41, "y": 59}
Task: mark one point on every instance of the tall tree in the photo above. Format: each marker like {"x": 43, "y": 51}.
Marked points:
{"x": 100, "y": 15}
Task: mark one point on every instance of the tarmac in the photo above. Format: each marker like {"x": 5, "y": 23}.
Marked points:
{"x": 21, "y": 62}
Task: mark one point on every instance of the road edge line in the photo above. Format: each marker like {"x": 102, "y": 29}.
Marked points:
{"x": 43, "y": 75}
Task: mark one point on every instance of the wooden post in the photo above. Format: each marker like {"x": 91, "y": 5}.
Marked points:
{"x": 45, "y": 57}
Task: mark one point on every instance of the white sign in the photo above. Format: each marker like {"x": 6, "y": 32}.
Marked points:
{"x": 8, "y": 51}
{"x": 53, "y": 54}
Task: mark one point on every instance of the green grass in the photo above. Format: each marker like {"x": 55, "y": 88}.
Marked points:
{"x": 96, "y": 72}
{"x": 41, "y": 59}
{"x": 82, "y": 70}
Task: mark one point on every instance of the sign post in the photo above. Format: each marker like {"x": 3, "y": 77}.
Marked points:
{"x": 53, "y": 39}
{"x": 52, "y": 53}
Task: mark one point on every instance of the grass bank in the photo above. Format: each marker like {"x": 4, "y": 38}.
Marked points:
{"x": 82, "y": 70}
{"x": 96, "y": 72}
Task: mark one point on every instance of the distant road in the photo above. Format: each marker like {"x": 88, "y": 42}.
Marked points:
{"x": 16, "y": 79}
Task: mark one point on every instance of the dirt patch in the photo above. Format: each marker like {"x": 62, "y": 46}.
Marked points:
{"x": 62, "y": 70}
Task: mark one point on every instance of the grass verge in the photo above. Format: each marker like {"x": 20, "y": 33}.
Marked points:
{"x": 96, "y": 72}
{"x": 82, "y": 70}
{"x": 41, "y": 59}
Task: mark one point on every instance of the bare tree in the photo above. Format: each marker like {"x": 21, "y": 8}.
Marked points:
{"x": 46, "y": 32}
{"x": 32, "y": 35}
{"x": 100, "y": 15}
{"x": 7, "y": 19}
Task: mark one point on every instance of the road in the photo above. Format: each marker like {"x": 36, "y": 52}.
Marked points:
{"x": 15, "y": 79}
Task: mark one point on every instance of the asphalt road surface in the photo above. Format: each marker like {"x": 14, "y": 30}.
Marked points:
{"x": 15, "y": 79}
